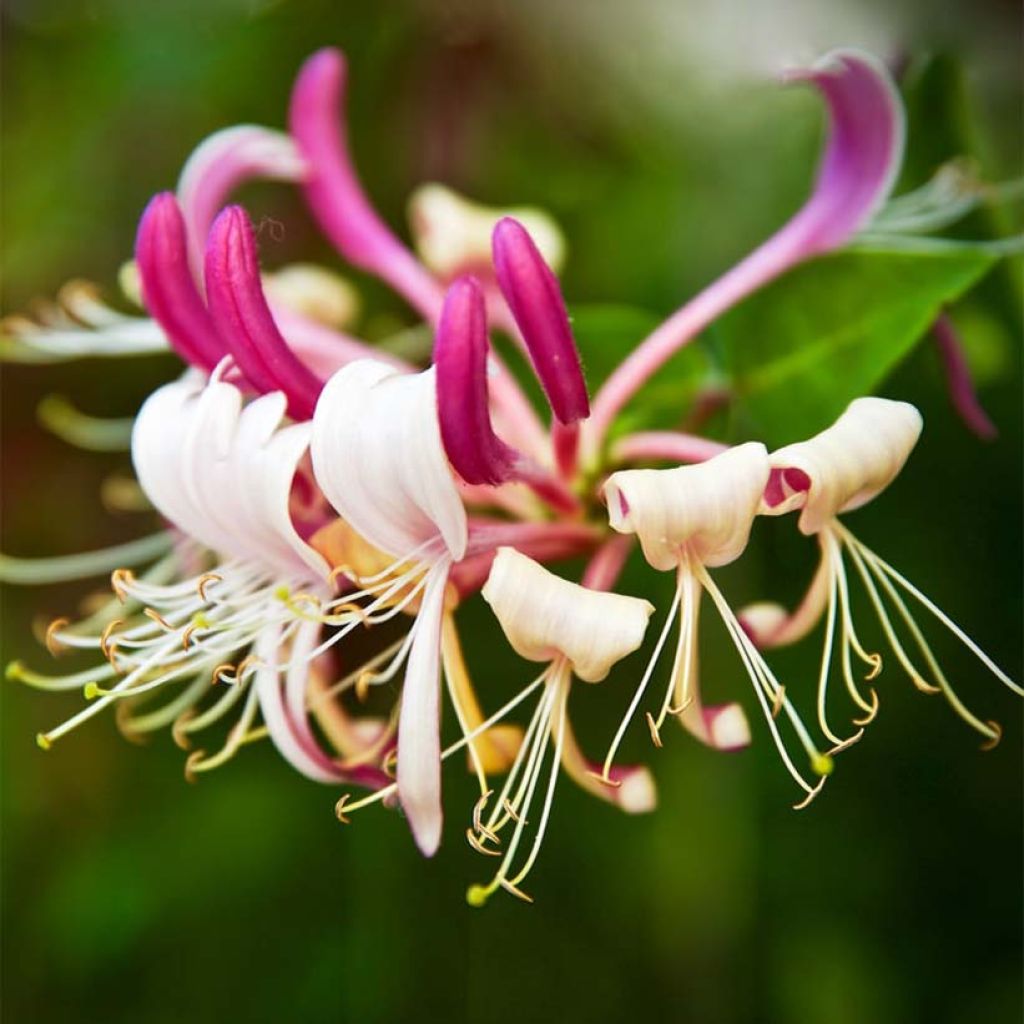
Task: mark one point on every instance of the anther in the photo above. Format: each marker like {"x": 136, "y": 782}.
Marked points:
{"x": 923, "y": 686}
{"x": 993, "y": 741}
{"x": 810, "y": 796}
{"x": 224, "y": 668}
{"x": 363, "y": 685}
{"x": 478, "y": 810}
{"x": 178, "y": 733}
{"x": 53, "y": 644}
{"x": 601, "y": 777}
{"x": 875, "y": 661}
{"x": 120, "y": 579}
{"x": 339, "y": 809}
{"x": 186, "y": 635}
{"x": 678, "y": 710}
{"x": 778, "y": 700}
{"x": 191, "y": 763}
{"x": 474, "y": 841}
{"x": 106, "y": 646}
{"x": 872, "y": 711}
{"x": 509, "y": 887}
{"x": 204, "y": 581}
{"x": 153, "y": 614}
{"x": 512, "y": 813}
{"x": 655, "y": 733}
{"x": 389, "y": 765}
{"x": 846, "y": 743}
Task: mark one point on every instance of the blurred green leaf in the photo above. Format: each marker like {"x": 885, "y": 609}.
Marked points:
{"x": 799, "y": 350}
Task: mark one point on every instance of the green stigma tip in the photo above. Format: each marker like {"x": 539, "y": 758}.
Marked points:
{"x": 822, "y": 764}
{"x": 476, "y": 895}
{"x": 13, "y": 670}
{"x": 91, "y": 691}
{"x": 42, "y": 741}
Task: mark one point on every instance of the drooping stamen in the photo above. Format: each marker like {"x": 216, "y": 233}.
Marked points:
{"x": 535, "y": 298}
{"x": 333, "y": 190}
{"x": 962, "y": 395}
{"x": 65, "y": 568}
{"x": 168, "y": 289}
{"x": 460, "y": 355}
{"x": 244, "y": 320}
{"x": 857, "y": 171}
{"x": 91, "y": 433}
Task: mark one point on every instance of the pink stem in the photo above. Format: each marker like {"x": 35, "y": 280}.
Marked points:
{"x": 958, "y": 380}
{"x": 666, "y": 445}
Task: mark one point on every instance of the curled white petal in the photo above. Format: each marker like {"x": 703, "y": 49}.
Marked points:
{"x": 453, "y": 234}
{"x": 706, "y": 509}
{"x": 378, "y": 457}
{"x": 847, "y": 464}
{"x": 223, "y": 474}
{"x": 545, "y": 617}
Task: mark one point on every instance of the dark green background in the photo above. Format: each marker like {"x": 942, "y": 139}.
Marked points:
{"x": 131, "y": 896}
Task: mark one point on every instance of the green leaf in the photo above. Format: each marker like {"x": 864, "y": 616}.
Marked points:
{"x": 799, "y": 350}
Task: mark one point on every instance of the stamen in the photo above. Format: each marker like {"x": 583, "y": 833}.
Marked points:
{"x": 204, "y": 581}
{"x": 53, "y": 644}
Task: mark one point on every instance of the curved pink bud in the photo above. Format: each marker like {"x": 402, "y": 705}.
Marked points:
{"x": 535, "y": 298}
{"x": 958, "y": 380}
{"x": 221, "y": 163}
{"x": 168, "y": 290}
{"x": 240, "y": 312}
{"x": 333, "y": 190}
{"x": 460, "y": 355}
{"x": 859, "y": 166}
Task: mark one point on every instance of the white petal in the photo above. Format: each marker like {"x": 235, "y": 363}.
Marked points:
{"x": 378, "y": 457}
{"x": 850, "y": 462}
{"x": 419, "y": 724}
{"x": 707, "y": 508}
{"x": 544, "y": 616}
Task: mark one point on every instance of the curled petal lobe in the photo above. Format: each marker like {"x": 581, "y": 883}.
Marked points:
{"x": 419, "y": 737}
{"x": 244, "y": 320}
{"x": 460, "y": 356}
{"x": 220, "y": 164}
{"x": 334, "y": 192}
{"x": 532, "y": 293}
{"x": 546, "y": 617}
{"x": 844, "y": 466}
{"x": 168, "y": 290}
{"x": 707, "y": 509}
{"x": 378, "y": 457}
{"x": 453, "y": 234}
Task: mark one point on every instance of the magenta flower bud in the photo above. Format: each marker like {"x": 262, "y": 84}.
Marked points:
{"x": 168, "y": 290}
{"x": 532, "y": 293}
{"x": 333, "y": 190}
{"x": 240, "y": 311}
{"x": 460, "y": 355}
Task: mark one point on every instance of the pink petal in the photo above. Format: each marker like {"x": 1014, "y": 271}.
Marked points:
{"x": 240, "y": 312}
{"x": 535, "y": 298}
{"x": 460, "y": 355}
{"x": 219, "y": 165}
{"x": 333, "y": 190}
{"x": 958, "y": 380}
{"x": 168, "y": 290}
{"x": 861, "y": 159}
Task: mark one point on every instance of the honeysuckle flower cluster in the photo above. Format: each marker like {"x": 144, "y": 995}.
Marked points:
{"x": 313, "y": 487}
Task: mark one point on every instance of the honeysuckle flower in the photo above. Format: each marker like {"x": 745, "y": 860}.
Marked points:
{"x": 690, "y": 519}
{"x": 857, "y": 171}
{"x": 844, "y": 467}
{"x": 576, "y": 632}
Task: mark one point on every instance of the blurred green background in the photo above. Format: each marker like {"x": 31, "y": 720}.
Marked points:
{"x": 648, "y": 129}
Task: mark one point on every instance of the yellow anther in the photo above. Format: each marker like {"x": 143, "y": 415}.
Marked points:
{"x": 924, "y": 686}
{"x": 511, "y": 811}
{"x": 120, "y": 579}
{"x": 178, "y": 733}
{"x": 477, "y": 845}
{"x": 53, "y": 644}
{"x": 363, "y": 684}
{"x": 993, "y": 741}
{"x": 680, "y": 708}
{"x": 846, "y": 743}
{"x": 518, "y": 893}
{"x": 390, "y": 763}
{"x": 872, "y": 711}
{"x": 478, "y": 810}
{"x": 248, "y": 662}
{"x": 875, "y": 661}
{"x": 43, "y": 741}
{"x": 778, "y": 700}
{"x": 601, "y": 777}
{"x": 810, "y": 796}
{"x": 186, "y": 634}
{"x": 192, "y": 762}
{"x": 655, "y": 733}
{"x": 152, "y": 613}
{"x": 339, "y": 809}
{"x": 224, "y": 668}
{"x": 204, "y": 581}
{"x": 106, "y": 646}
